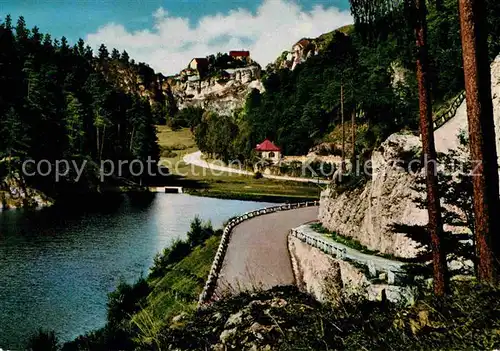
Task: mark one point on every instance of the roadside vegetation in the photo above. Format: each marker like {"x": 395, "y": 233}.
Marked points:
{"x": 137, "y": 312}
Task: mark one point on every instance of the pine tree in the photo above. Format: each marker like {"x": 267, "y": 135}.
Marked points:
{"x": 374, "y": 17}
{"x": 14, "y": 140}
{"x": 115, "y": 54}
{"x": 482, "y": 137}
{"x": 21, "y": 30}
{"x": 8, "y": 22}
{"x": 125, "y": 58}
{"x": 74, "y": 124}
{"x": 81, "y": 47}
{"x": 103, "y": 52}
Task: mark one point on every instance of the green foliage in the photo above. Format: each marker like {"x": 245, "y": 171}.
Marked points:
{"x": 188, "y": 117}
{"x": 170, "y": 256}
{"x": 46, "y": 85}
{"x": 352, "y": 243}
{"x": 217, "y": 136}
{"x": 199, "y": 232}
{"x": 43, "y": 341}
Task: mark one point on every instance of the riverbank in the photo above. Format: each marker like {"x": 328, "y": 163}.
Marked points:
{"x": 59, "y": 263}
{"x": 137, "y": 312}
{"x": 202, "y": 182}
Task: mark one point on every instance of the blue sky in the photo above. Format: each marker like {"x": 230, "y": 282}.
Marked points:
{"x": 165, "y": 33}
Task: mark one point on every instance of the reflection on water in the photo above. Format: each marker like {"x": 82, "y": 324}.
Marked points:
{"x": 57, "y": 265}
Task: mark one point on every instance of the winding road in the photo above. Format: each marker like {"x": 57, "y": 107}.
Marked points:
{"x": 196, "y": 160}
{"x": 257, "y": 255}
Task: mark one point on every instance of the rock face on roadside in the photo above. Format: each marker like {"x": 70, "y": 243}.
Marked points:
{"x": 216, "y": 94}
{"x": 367, "y": 213}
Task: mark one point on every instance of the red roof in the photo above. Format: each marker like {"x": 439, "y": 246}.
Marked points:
{"x": 267, "y": 145}
{"x": 302, "y": 42}
{"x": 239, "y": 53}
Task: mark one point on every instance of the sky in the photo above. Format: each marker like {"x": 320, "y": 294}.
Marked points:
{"x": 167, "y": 34}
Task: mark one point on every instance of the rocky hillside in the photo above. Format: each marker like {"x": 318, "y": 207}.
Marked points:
{"x": 368, "y": 213}
{"x": 304, "y": 49}
{"x": 222, "y": 93}
{"x": 142, "y": 80}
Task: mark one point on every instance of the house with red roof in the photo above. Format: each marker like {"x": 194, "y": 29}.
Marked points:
{"x": 268, "y": 150}
{"x": 241, "y": 55}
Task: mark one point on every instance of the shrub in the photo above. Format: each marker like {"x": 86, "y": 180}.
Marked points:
{"x": 168, "y": 153}
{"x": 258, "y": 175}
{"x": 178, "y": 146}
{"x": 43, "y": 341}
{"x": 170, "y": 255}
{"x": 199, "y": 232}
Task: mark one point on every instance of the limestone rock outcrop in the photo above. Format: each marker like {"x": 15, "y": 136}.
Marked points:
{"x": 367, "y": 213}
{"x": 14, "y": 193}
{"x": 217, "y": 94}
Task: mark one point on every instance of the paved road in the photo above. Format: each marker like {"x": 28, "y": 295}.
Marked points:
{"x": 257, "y": 255}
{"x": 195, "y": 159}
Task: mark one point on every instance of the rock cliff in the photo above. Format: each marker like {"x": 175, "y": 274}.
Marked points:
{"x": 14, "y": 193}
{"x": 367, "y": 213}
{"x": 221, "y": 94}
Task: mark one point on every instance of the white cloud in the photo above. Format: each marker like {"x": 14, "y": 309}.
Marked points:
{"x": 172, "y": 42}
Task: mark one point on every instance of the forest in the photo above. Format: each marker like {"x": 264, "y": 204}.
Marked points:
{"x": 56, "y": 103}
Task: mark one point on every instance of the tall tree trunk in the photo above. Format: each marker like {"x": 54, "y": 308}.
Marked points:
{"x": 132, "y": 138}
{"x": 481, "y": 137}
{"x": 343, "y": 127}
{"x": 102, "y": 142}
{"x": 435, "y": 225}
{"x": 353, "y": 135}
{"x": 98, "y": 140}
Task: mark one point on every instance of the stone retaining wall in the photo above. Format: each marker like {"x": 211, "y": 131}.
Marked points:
{"x": 330, "y": 271}
{"x": 211, "y": 283}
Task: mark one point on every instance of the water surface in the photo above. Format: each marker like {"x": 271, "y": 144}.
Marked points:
{"x": 58, "y": 265}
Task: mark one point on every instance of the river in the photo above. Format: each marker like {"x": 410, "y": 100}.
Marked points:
{"x": 58, "y": 265}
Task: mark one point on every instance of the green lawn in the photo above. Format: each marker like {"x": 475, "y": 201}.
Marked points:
{"x": 200, "y": 181}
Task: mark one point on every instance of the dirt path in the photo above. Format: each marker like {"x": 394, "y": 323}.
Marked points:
{"x": 257, "y": 255}
{"x": 195, "y": 159}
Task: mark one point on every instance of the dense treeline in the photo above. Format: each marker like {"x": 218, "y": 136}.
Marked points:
{"x": 300, "y": 108}
{"x": 55, "y": 103}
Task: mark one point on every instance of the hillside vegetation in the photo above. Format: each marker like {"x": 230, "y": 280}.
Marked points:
{"x": 56, "y": 103}
{"x": 300, "y": 108}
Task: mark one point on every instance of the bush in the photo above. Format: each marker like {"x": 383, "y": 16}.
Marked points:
{"x": 199, "y": 232}
{"x": 178, "y": 146}
{"x": 258, "y": 175}
{"x": 168, "y": 153}
{"x": 43, "y": 341}
{"x": 170, "y": 255}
